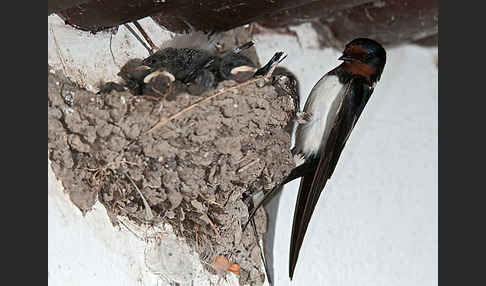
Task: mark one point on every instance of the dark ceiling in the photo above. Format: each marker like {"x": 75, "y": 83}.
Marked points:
{"x": 391, "y": 22}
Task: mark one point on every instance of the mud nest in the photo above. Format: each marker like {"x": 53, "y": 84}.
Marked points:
{"x": 196, "y": 172}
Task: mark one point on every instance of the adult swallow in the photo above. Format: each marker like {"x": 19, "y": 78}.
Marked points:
{"x": 331, "y": 112}
{"x": 334, "y": 106}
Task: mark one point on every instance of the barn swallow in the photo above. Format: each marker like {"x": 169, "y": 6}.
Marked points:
{"x": 334, "y": 105}
{"x": 332, "y": 110}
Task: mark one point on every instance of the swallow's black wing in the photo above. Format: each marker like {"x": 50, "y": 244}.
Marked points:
{"x": 311, "y": 185}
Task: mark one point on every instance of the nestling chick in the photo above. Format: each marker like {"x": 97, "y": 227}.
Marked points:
{"x": 195, "y": 69}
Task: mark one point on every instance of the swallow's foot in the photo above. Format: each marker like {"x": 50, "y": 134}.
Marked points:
{"x": 299, "y": 159}
{"x": 302, "y": 117}
{"x": 287, "y": 83}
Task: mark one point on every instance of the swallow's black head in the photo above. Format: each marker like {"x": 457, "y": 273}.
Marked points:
{"x": 364, "y": 57}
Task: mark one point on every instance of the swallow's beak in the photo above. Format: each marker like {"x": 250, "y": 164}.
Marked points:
{"x": 346, "y": 58}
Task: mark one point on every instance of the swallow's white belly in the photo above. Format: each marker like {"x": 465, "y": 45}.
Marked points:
{"x": 322, "y": 105}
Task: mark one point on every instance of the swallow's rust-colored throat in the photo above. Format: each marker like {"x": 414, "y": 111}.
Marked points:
{"x": 358, "y": 68}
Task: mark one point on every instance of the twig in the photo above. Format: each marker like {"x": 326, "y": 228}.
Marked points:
{"x": 213, "y": 226}
{"x": 138, "y": 38}
{"x": 248, "y": 165}
{"x": 164, "y": 121}
{"x": 129, "y": 229}
{"x": 242, "y": 159}
{"x": 197, "y": 239}
{"x": 111, "y": 50}
{"x": 209, "y": 201}
{"x": 58, "y": 50}
{"x": 146, "y": 37}
{"x": 229, "y": 196}
{"x": 148, "y": 211}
